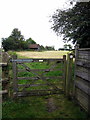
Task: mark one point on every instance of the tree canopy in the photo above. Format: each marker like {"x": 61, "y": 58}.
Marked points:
{"x": 67, "y": 46}
{"x": 30, "y": 41}
{"x": 73, "y": 24}
{"x": 16, "y": 41}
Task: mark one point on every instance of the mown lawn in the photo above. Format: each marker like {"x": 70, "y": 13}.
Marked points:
{"x": 52, "y": 106}
{"x": 43, "y": 54}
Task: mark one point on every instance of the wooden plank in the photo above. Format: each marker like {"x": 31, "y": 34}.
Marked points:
{"x": 82, "y": 98}
{"x": 4, "y": 80}
{"x": 85, "y": 82}
{"x": 36, "y": 70}
{"x": 15, "y": 84}
{"x": 83, "y": 75}
{"x": 83, "y": 63}
{"x": 35, "y": 60}
{"x": 3, "y": 64}
{"x": 38, "y": 93}
{"x": 36, "y": 78}
{"x": 83, "y": 56}
{"x": 42, "y": 90}
{"x": 28, "y": 78}
{"x": 86, "y": 54}
{"x": 64, "y": 72}
{"x": 82, "y": 87}
{"x": 84, "y": 49}
{"x": 3, "y": 92}
{"x": 83, "y": 52}
{"x": 83, "y": 69}
{"x": 31, "y": 85}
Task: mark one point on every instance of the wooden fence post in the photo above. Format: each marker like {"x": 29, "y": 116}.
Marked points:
{"x": 64, "y": 73}
{"x": 15, "y": 84}
{"x": 76, "y": 57}
{"x": 5, "y": 74}
{"x": 0, "y": 84}
{"x": 69, "y": 75}
{"x": 89, "y": 86}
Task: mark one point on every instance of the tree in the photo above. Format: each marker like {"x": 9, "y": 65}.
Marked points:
{"x": 8, "y": 44}
{"x": 67, "y": 47}
{"x": 42, "y": 47}
{"x": 14, "y": 42}
{"x": 73, "y": 24}
{"x": 30, "y": 41}
{"x": 49, "y": 48}
{"x": 70, "y": 47}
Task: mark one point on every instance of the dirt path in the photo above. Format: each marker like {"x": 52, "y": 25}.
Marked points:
{"x": 51, "y": 106}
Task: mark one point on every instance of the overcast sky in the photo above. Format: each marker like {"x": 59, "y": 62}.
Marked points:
{"x": 31, "y": 17}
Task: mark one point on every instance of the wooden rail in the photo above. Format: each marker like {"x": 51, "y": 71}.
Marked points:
{"x": 38, "y": 93}
{"x": 42, "y": 77}
{"x": 35, "y": 60}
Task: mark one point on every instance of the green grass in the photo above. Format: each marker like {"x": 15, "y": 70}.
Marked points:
{"x": 37, "y": 107}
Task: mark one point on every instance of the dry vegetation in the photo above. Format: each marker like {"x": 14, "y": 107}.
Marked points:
{"x": 44, "y": 54}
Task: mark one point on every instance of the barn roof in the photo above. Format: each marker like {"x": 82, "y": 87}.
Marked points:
{"x": 34, "y": 46}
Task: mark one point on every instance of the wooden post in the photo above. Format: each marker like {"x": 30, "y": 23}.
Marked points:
{"x": 0, "y": 84}
{"x": 69, "y": 75}
{"x": 5, "y": 75}
{"x": 88, "y": 94}
{"x": 76, "y": 51}
{"x": 71, "y": 78}
{"x": 64, "y": 73}
{"x": 88, "y": 86}
{"x": 15, "y": 84}
{"x": 76, "y": 57}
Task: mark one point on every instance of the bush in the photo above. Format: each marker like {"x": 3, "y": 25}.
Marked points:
{"x": 12, "y": 53}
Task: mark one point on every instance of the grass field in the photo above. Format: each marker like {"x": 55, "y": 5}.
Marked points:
{"x": 53, "y": 106}
{"x": 43, "y": 54}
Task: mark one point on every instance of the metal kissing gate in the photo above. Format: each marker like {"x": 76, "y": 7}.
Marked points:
{"x": 28, "y": 80}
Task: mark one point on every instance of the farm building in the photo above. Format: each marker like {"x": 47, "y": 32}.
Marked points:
{"x": 34, "y": 47}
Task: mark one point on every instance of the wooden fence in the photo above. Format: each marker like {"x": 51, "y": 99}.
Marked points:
{"x": 82, "y": 78}
{"x": 4, "y": 78}
{"x": 78, "y": 88}
{"x": 16, "y": 70}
